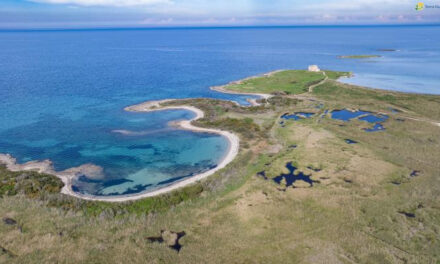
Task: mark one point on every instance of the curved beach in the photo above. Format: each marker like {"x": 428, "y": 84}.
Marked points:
{"x": 150, "y": 106}
{"x": 67, "y": 176}
{"x": 46, "y": 166}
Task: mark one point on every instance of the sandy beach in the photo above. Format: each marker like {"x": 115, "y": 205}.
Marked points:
{"x": 46, "y": 166}
{"x": 234, "y": 143}
{"x": 253, "y": 102}
{"x": 67, "y": 176}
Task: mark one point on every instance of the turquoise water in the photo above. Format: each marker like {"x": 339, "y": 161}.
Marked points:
{"x": 62, "y": 93}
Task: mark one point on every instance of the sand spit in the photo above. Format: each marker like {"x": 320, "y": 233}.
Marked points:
{"x": 138, "y": 133}
{"x": 253, "y": 102}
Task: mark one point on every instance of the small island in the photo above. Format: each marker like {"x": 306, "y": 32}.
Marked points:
{"x": 358, "y": 56}
{"x": 387, "y": 50}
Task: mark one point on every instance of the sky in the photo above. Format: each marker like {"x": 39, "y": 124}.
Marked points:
{"x": 27, "y": 14}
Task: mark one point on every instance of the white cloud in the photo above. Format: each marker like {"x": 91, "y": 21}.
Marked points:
{"x": 118, "y": 3}
{"x": 240, "y": 12}
{"x": 361, "y": 5}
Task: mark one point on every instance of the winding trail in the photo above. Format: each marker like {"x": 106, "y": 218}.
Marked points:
{"x": 435, "y": 123}
{"x": 311, "y": 87}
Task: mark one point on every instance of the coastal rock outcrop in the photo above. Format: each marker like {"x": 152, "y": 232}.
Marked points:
{"x": 91, "y": 170}
{"x": 44, "y": 166}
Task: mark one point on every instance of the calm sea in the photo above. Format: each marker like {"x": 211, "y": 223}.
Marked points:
{"x": 62, "y": 93}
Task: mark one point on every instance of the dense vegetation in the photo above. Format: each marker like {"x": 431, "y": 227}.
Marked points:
{"x": 31, "y": 184}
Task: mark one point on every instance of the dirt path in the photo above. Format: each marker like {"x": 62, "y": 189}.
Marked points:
{"x": 311, "y": 87}
{"x": 435, "y": 123}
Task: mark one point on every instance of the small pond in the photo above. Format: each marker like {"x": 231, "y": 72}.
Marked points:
{"x": 291, "y": 177}
{"x": 297, "y": 115}
{"x": 347, "y": 115}
{"x": 350, "y": 141}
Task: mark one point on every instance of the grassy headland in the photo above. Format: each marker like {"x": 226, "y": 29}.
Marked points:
{"x": 376, "y": 201}
{"x": 287, "y": 82}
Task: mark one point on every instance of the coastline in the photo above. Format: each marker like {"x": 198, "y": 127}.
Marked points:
{"x": 253, "y": 102}
{"x": 66, "y": 176}
{"x": 92, "y": 170}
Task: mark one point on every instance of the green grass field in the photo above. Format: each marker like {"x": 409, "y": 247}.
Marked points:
{"x": 366, "y": 208}
{"x": 289, "y": 82}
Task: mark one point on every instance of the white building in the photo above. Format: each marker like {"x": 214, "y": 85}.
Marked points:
{"x": 314, "y": 68}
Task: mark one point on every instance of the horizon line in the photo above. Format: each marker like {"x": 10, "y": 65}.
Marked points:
{"x": 176, "y": 27}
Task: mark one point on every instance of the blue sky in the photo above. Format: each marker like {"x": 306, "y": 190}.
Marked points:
{"x": 152, "y": 13}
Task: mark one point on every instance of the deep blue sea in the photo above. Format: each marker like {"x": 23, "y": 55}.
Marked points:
{"x": 62, "y": 93}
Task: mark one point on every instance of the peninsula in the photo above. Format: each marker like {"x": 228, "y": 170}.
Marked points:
{"x": 316, "y": 170}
